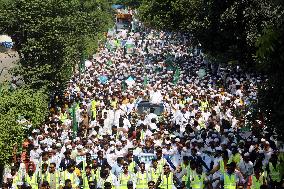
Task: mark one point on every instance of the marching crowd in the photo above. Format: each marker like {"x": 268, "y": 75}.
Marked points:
{"x": 97, "y": 137}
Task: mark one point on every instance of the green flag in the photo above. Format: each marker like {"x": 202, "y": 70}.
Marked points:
{"x": 145, "y": 80}
{"x": 109, "y": 63}
{"x": 123, "y": 85}
{"x": 74, "y": 121}
{"x": 176, "y": 76}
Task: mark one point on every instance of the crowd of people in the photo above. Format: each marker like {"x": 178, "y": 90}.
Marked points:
{"x": 99, "y": 134}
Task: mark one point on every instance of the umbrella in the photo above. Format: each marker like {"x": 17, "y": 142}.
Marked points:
{"x": 117, "y": 6}
{"x": 6, "y": 41}
{"x": 103, "y": 79}
{"x": 130, "y": 81}
{"x": 201, "y": 73}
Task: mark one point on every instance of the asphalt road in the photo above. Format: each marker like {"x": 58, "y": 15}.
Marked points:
{"x": 7, "y": 61}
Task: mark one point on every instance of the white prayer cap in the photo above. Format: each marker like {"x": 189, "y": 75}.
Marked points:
{"x": 112, "y": 142}
{"x": 216, "y": 140}
{"x": 177, "y": 140}
{"x": 80, "y": 147}
{"x": 69, "y": 147}
{"x": 58, "y": 144}
{"x": 262, "y": 140}
{"x": 167, "y": 142}
{"x": 218, "y": 148}
{"x": 34, "y": 131}
{"x": 118, "y": 143}
{"x": 9, "y": 176}
{"x": 246, "y": 154}
{"x": 93, "y": 133}
{"x": 89, "y": 142}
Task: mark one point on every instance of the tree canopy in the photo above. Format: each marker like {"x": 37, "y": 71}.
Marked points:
{"x": 226, "y": 29}
{"x": 51, "y": 36}
{"x": 16, "y": 106}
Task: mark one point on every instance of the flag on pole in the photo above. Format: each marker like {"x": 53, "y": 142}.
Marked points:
{"x": 145, "y": 80}
{"x": 74, "y": 120}
{"x": 109, "y": 63}
{"x": 176, "y": 76}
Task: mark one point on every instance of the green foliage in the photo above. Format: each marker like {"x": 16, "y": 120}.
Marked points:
{"x": 129, "y": 3}
{"x": 270, "y": 60}
{"x": 26, "y": 103}
{"x": 49, "y": 35}
{"x": 226, "y": 29}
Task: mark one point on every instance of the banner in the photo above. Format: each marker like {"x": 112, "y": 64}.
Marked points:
{"x": 146, "y": 157}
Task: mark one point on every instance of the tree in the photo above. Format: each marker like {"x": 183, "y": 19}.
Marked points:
{"x": 16, "y": 106}
{"x": 129, "y": 3}
{"x": 270, "y": 60}
{"x": 50, "y": 35}
{"x": 226, "y": 29}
